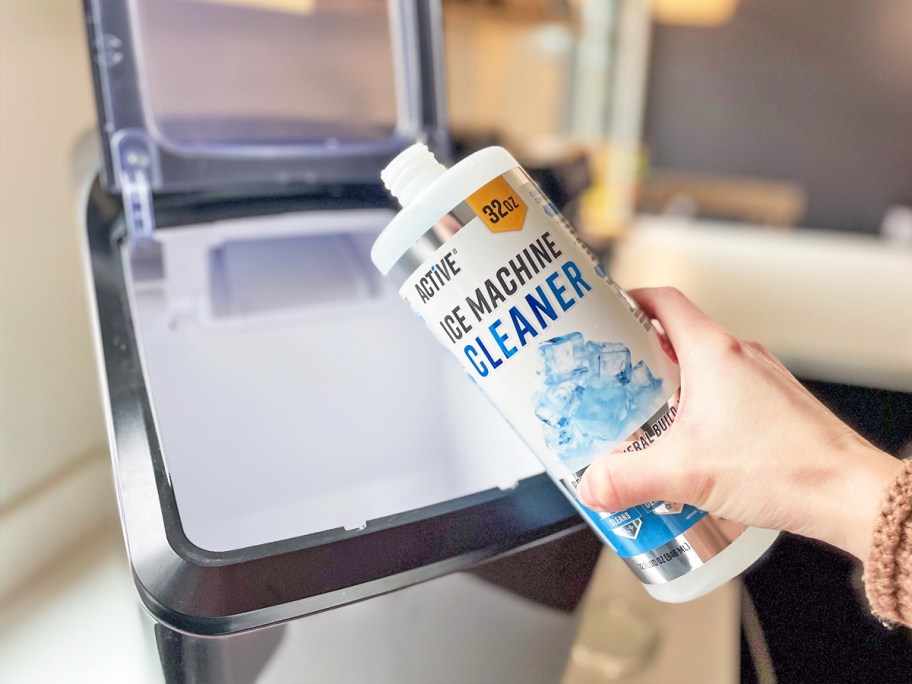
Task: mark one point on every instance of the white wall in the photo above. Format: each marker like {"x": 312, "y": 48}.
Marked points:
{"x": 54, "y": 481}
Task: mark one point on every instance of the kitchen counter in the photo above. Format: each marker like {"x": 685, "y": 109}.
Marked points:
{"x": 79, "y": 622}
{"x": 697, "y": 641}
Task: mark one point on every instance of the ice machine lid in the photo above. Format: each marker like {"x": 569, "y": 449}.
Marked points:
{"x": 244, "y": 97}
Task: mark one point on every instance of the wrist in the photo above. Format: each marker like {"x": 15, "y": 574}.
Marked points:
{"x": 867, "y": 475}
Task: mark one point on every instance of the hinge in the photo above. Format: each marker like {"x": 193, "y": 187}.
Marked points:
{"x": 138, "y": 173}
{"x": 137, "y": 201}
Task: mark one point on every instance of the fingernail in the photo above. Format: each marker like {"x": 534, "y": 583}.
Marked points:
{"x": 585, "y": 492}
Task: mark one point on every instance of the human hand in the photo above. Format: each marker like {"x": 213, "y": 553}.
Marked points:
{"x": 749, "y": 442}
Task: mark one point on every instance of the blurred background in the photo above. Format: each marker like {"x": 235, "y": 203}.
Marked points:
{"x": 755, "y": 153}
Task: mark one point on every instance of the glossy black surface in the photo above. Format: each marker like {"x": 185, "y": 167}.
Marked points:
{"x": 809, "y": 596}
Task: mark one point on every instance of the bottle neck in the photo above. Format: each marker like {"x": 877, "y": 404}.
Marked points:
{"x": 411, "y": 172}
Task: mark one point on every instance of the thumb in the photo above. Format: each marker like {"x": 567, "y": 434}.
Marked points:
{"x": 620, "y": 480}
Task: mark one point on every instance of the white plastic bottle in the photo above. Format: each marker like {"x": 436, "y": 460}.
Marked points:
{"x": 497, "y": 274}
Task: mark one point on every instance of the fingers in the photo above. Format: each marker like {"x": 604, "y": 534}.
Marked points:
{"x": 683, "y": 322}
{"x": 620, "y": 480}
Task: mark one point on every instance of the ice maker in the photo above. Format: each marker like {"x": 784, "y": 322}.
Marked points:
{"x": 286, "y": 438}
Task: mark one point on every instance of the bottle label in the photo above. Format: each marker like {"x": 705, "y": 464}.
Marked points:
{"x": 561, "y": 351}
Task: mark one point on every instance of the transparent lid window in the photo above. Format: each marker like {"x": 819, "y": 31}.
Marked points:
{"x": 272, "y": 72}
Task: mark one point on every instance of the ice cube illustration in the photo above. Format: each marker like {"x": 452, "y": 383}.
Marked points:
{"x": 557, "y": 404}
{"x": 602, "y": 413}
{"x": 642, "y": 393}
{"x": 580, "y": 440}
{"x": 641, "y": 379}
{"x": 558, "y": 440}
{"x": 562, "y": 358}
{"x": 609, "y": 363}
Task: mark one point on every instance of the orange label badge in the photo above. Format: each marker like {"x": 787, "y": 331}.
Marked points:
{"x": 498, "y": 206}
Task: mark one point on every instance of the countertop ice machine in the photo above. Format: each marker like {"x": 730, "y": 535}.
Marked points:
{"x": 287, "y": 439}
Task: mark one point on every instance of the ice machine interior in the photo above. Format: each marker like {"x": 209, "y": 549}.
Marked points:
{"x": 286, "y": 435}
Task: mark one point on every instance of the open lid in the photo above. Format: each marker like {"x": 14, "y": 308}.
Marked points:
{"x": 246, "y": 97}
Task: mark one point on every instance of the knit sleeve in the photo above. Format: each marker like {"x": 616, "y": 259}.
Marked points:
{"x": 888, "y": 572}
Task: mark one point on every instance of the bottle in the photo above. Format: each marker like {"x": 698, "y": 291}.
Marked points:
{"x": 497, "y": 274}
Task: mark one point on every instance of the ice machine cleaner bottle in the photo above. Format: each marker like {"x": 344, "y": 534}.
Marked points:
{"x": 496, "y": 273}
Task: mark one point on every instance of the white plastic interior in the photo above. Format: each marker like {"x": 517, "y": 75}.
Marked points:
{"x": 220, "y": 73}
{"x": 294, "y": 392}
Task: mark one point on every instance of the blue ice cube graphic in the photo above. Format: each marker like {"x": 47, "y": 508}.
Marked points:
{"x": 558, "y": 440}
{"x": 558, "y": 403}
{"x": 643, "y": 395}
{"x": 590, "y": 395}
{"x": 562, "y": 358}
{"x": 609, "y": 363}
{"x": 641, "y": 379}
{"x": 602, "y": 413}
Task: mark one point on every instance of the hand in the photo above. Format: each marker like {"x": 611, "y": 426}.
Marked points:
{"x": 749, "y": 443}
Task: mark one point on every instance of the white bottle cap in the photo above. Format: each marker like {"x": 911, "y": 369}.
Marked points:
{"x": 411, "y": 172}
